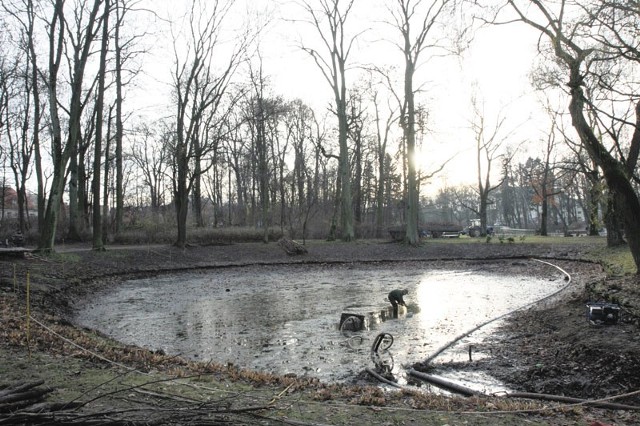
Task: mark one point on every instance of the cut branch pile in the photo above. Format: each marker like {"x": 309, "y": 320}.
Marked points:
{"x": 20, "y": 396}
{"x": 24, "y": 403}
{"x": 20, "y": 402}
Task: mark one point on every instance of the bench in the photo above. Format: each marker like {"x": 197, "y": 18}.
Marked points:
{"x": 6, "y": 252}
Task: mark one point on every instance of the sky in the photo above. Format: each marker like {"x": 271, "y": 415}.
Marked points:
{"x": 495, "y": 68}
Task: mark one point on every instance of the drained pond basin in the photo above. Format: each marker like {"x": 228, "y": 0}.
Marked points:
{"x": 285, "y": 319}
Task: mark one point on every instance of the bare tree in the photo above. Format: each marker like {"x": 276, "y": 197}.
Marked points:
{"x": 150, "y": 154}
{"x": 97, "y": 241}
{"x": 235, "y": 149}
{"x": 303, "y": 196}
{"x": 15, "y": 118}
{"x": 578, "y": 57}
{"x": 199, "y": 92}
{"x": 23, "y": 14}
{"x": 593, "y": 187}
{"x": 57, "y": 26}
{"x": 543, "y": 180}
{"x": 330, "y": 21}
{"x": 124, "y": 51}
{"x": 490, "y": 142}
{"x": 383, "y": 131}
{"x": 429, "y": 24}
{"x": 356, "y": 118}
{"x": 79, "y": 42}
{"x": 262, "y": 115}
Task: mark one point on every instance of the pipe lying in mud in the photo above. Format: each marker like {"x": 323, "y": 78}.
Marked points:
{"x": 382, "y": 379}
{"x": 562, "y": 398}
{"x": 444, "y": 384}
{"x": 465, "y": 391}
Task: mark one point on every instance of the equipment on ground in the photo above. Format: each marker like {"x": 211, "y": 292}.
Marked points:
{"x": 603, "y": 313}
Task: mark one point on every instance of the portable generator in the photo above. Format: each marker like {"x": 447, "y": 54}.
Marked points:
{"x": 603, "y": 313}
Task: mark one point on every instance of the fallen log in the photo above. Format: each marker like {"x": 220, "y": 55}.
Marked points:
{"x": 33, "y": 394}
{"x": 9, "y": 389}
{"x": 22, "y": 396}
{"x": 291, "y": 247}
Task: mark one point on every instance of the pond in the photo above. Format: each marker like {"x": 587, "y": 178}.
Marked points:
{"x": 285, "y": 319}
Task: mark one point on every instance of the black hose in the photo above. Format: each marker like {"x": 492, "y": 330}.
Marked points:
{"x": 444, "y": 384}
{"x": 382, "y": 379}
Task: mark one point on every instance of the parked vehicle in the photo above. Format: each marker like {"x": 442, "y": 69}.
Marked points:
{"x": 428, "y": 230}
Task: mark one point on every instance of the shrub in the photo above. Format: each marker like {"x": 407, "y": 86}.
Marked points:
{"x": 151, "y": 233}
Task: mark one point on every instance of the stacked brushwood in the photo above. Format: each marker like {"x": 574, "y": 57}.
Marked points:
{"x": 292, "y": 247}
{"x": 25, "y": 402}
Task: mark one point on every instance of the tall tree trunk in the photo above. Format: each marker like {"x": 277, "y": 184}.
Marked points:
{"x": 357, "y": 181}
{"x": 544, "y": 215}
{"x": 626, "y": 201}
{"x": 334, "y": 215}
{"x": 105, "y": 186}
{"x": 593, "y": 203}
{"x": 59, "y": 157}
{"x": 615, "y": 234}
{"x": 119, "y": 126}
{"x": 74, "y": 233}
{"x": 412, "y": 236}
{"x": 346, "y": 203}
{"x": 263, "y": 175}
{"x": 381, "y": 153}
{"x": 98, "y": 243}
{"x": 380, "y": 193}
{"x": 482, "y": 212}
{"x": 59, "y": 153}
{"x": 181, "y": 200}
{"x": 197, "y": 183}
{"x": 241, "y": 217}
{"x": 37, "y": 114}
{"x": 52, "y": 212}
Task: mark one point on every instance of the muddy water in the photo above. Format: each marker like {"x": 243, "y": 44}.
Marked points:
{"x": 285, "y": 319}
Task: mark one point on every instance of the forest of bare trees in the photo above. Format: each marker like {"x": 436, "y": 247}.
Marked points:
{"x": 81, "y": 163}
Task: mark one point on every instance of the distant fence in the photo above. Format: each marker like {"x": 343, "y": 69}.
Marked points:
{"x": 508, "y": 232}
{"x": 514, "y": 232}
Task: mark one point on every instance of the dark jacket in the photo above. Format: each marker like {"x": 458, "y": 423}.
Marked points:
{"x": 395, "y": 297}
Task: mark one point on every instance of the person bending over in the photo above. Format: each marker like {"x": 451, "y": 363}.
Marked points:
{"x": 396, "y": 298}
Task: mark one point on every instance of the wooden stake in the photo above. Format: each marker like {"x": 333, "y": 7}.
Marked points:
{"x": 28, "y": 315}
